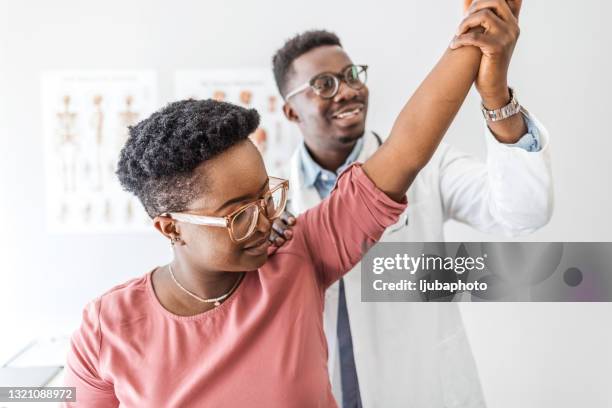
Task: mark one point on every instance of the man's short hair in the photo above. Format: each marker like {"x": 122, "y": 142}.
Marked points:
{"x": 293, "y": 48}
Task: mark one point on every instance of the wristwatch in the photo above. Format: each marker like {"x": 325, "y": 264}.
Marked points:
{"x": 504, "y": 112}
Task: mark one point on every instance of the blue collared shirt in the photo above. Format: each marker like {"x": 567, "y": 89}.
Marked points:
{"x": 324, "y": 180}
{"x": 530, "y": 140}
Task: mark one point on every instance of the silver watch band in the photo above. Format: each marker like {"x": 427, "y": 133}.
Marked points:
{"x": 504, "y": 112}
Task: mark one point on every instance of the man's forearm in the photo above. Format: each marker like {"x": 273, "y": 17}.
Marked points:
{"x": 509, "y": 130}
{"x": 423, "y": 121}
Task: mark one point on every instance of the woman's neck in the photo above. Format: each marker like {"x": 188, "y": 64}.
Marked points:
{"x": 172, "y": 292}
{"x": 203, "y": 283}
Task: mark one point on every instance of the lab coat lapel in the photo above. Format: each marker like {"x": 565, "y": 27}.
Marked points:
{"x": 301, "y": 197}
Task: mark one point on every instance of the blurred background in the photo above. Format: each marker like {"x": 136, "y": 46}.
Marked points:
{"x": 529, "y": 355}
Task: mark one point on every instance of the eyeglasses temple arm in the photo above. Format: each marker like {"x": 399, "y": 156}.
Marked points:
{"x": 298, "y": 90}
{"x": 200, "y": 219}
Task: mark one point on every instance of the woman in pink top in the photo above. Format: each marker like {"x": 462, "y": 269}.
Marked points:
{"x": 227, "y": 323}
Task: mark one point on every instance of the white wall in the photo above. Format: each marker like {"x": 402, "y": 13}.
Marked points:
{"x": 540, "y": 355}
{"x": 529, "y": 355}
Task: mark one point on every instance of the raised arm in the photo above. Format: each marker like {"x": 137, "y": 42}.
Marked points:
{"x": 368, "y": 199}
{"x": 423, "y": 121}
{"x": 362, "y": 205}
{"x": 490, "y": 28}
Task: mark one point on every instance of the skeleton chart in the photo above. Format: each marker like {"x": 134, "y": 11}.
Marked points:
{"x": 86, "y": 116}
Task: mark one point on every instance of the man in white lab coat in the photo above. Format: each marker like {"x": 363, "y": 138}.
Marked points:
{"x": 413, "y": 354}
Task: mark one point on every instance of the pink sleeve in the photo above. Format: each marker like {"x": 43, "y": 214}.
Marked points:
{"x": 83, "y": 364}
{"x": 352, "y": 218}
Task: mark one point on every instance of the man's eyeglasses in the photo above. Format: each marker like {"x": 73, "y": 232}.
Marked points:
{"x": 327, "y": 84}
{"x": 242, "y": 222}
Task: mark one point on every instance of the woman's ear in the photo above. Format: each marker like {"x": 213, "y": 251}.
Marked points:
{"x": 290, "y": 113}
{"x": 167, "y": 226}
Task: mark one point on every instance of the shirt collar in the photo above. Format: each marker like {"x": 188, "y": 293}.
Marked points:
{"x": 311, "y": 169}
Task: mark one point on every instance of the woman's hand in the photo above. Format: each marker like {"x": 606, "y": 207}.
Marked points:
{"x": 281, "y": 229}
{"x": 492, "y": 26}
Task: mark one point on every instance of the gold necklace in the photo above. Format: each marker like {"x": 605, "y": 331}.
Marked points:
{"x": 216, "y": 301}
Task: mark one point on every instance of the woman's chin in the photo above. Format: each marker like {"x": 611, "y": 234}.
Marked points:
{"x": 255, "y": 261}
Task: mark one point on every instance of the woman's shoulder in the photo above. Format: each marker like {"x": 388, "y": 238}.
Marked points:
{"x": 122, "y": 302}
{"x": 293, "y": 249}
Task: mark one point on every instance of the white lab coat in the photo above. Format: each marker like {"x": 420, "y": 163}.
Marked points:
{"x": 417, "y": 354}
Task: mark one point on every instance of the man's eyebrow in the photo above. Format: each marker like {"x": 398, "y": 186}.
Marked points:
{"x": 336, "y": 72}
{"x": 243, "y": 197}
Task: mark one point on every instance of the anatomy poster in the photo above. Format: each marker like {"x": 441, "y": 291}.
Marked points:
{"x": 276, "y": 138}
{"x": 86, "y": 115}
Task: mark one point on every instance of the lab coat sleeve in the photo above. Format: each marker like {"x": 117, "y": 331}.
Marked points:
{"x": 511, "y": 194}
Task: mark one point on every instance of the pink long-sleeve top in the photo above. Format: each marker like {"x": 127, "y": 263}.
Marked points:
{"x": 262, "y": 347}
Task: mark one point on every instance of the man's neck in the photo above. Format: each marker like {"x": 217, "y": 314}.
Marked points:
{"x": 330, "y": 158}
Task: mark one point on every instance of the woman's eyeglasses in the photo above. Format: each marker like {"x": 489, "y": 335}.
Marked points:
{"x": 327, "y": 84}
{"x": 242, "y": 222}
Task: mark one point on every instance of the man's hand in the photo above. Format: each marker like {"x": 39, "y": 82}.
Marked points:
{"x": 492, "y": 26}
{"x": 496, "y": 39}
{"x": 281, "y": 229}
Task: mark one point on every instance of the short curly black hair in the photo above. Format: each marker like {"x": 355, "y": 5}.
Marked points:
{"x": 294, "y": 47}
{"x": 158, "y": 160}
